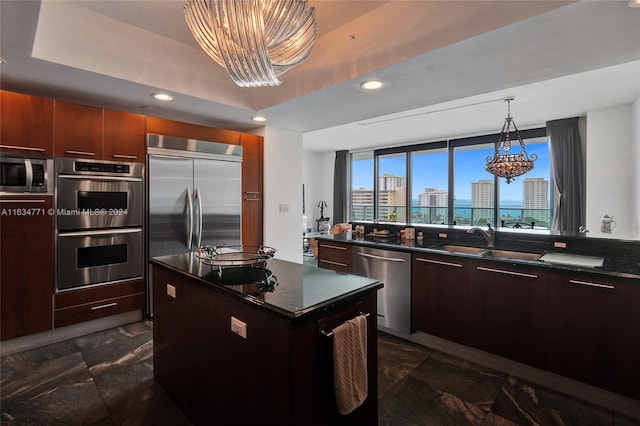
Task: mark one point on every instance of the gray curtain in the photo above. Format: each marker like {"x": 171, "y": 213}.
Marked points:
{"x": 341, "y": 187}
{"x": 567, "y": 170}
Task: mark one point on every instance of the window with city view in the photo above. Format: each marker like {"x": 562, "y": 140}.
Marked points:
{"x": 476, "y": 201}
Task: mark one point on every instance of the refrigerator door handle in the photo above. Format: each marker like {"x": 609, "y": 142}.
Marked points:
{"x": 189, "y": 218}
{"x": 199, "y": 202}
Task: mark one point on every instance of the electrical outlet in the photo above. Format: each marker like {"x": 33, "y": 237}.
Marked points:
{"x": 171, "y": 291}
{"x": 558, "y": 244}
{"x": 284, "y": 208}
{"x": 239, "y": 327}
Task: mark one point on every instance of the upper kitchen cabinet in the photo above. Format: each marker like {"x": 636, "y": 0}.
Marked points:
{"x": 83, "y": 131}
{"x": 124, "y": 138}
{"x": 252, "y": 182}
{"x": 26, "y": 124}
{"x": 179, "y": 129}
{"x": 78, "y": 131}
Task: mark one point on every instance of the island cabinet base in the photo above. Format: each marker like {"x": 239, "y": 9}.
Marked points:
{"x": 280, "y": 374}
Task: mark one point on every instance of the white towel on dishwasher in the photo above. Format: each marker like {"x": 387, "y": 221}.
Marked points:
{"x": 350, "y": 364}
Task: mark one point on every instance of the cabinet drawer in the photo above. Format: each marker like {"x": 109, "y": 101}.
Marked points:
{"x": 335, "y": 256}
{"x": 87, "y": 304}
{"x": 99, "y": 309}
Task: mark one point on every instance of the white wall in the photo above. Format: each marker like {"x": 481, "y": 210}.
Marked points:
{"x": 283, "y": 185}
{"x": 610, "y": 167}
{"x": 635, "y": 177}
{"x": 317, "y": 175}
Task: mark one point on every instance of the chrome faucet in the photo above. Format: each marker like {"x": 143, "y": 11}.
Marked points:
{"x": 488, "y": 235}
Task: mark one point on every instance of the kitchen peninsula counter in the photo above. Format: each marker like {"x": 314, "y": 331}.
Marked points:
{"x": 251, "y": 353}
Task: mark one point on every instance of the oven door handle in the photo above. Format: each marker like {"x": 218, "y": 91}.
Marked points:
{"x": 189, "y": 218}
{"x": 105, "y": 178}
{"x": 199, "y": 202}
{"x": 100, "y": 232}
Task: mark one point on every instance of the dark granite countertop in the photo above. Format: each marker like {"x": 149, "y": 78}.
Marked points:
{"x": 300, "y": 290}
{"x": 624, "y": 267}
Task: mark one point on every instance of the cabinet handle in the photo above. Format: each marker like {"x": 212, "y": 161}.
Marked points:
{"x": 333, "y": 247}
{"x": 500, "y": 271}
{"x": 23, "y": 201}
{"x": 251, "y": 192}
{"x": 108, "y": 305}
{"x": 373, "y": 256}
{"x": 438, "y": 262}
{"x": 330, "y": 262}
{"x": 607, "y": 286}
{"x": 22, "y": 148}
{"x": 91, "y": 154}
{"x": 126, "y": 157}
{"x": 251, "y": 199}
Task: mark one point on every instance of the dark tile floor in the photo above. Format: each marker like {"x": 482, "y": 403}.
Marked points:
{"x": 106, "y": 378}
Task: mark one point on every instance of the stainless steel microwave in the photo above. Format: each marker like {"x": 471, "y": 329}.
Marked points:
{"x": 25, "y": 175}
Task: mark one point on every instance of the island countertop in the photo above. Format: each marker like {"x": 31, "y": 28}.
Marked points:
{"x": 300, "y": 290}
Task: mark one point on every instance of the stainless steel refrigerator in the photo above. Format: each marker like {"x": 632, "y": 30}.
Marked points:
{"x": 194, "y": 196}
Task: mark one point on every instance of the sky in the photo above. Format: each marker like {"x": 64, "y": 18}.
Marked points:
{"x": 430, "y": 171}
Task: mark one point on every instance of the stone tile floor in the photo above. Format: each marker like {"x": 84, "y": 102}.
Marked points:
{"x": 106, "y": 378}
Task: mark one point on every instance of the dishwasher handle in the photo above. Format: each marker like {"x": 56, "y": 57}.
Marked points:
{"x": 373, "y": 256}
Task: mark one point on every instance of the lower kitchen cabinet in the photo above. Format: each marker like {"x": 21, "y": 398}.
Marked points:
{"x": 336, "y": 256}
{"x": 509, "y": 311}
{"x": 441, "y": 296}
{"x": 594, "y": 330}
{"x": 86, "y": 304}
{"x": 278, "y": 373}
{"x": 26, "y": 265}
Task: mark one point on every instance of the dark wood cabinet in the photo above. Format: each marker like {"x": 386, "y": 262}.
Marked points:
{"x": 26, "y": 124}
{"x": 509, "y": 311}
{"x": 336, "y": 256}
{"x": 441, "y": 296}
{"x": 26, "y": 265}
{"x": 281, "y": 373}
{"x": 171, "y": 351}
{"x": 252, "y": 189}
{"x": 124, "y": 137}
{"x": 160, "y": 126}
{"x": 86, "y": 304}
{"x": 78, "y": 131}
{"x": 594, "y": 330}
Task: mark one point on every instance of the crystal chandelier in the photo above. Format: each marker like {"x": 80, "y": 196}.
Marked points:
{"x": 508, "y": 165}
{"x": 256, "y": 41}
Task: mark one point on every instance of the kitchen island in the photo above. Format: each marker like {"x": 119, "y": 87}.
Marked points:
{"x": 250, "y": 345}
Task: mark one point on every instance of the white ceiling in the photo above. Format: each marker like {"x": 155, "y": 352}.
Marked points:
{"x": 448, "y": 64}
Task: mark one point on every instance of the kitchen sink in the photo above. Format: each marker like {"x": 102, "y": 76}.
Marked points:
{"x": 460, "y": 249}
{"x": 508, "y": 254}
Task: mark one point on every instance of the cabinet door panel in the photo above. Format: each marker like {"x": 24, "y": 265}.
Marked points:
{"x": 441, "y": 297}
{"x": 509, "y": 311}
{"x": 594, "y": 324}
{"x": 124, "y": 138}
{"x": 78, "y": 131}
{"x": 26, "y": 268}
{"x": 252, "y": 189}
{"x": 26, "y": 126}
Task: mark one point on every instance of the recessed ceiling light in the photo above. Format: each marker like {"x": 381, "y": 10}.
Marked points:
{"x": 162, "y": 97}
{"x": 259, "y": 118}
{"x": 372, "y": 85}
{"x": 2, "y": 61}
{"x": 634, "y": 3}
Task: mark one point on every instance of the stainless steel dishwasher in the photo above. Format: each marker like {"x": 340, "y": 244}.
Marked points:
{"x": 393, "y": 268}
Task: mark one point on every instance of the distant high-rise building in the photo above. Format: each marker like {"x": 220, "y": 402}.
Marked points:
{"x": 391, "y": 182}
{"x": 432, "y": 197}
{"x": 482, "y": 194}
{"x": 535, "y": 194}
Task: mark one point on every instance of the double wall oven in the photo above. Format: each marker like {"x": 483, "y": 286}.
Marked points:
{"x": 99, "y": 217}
